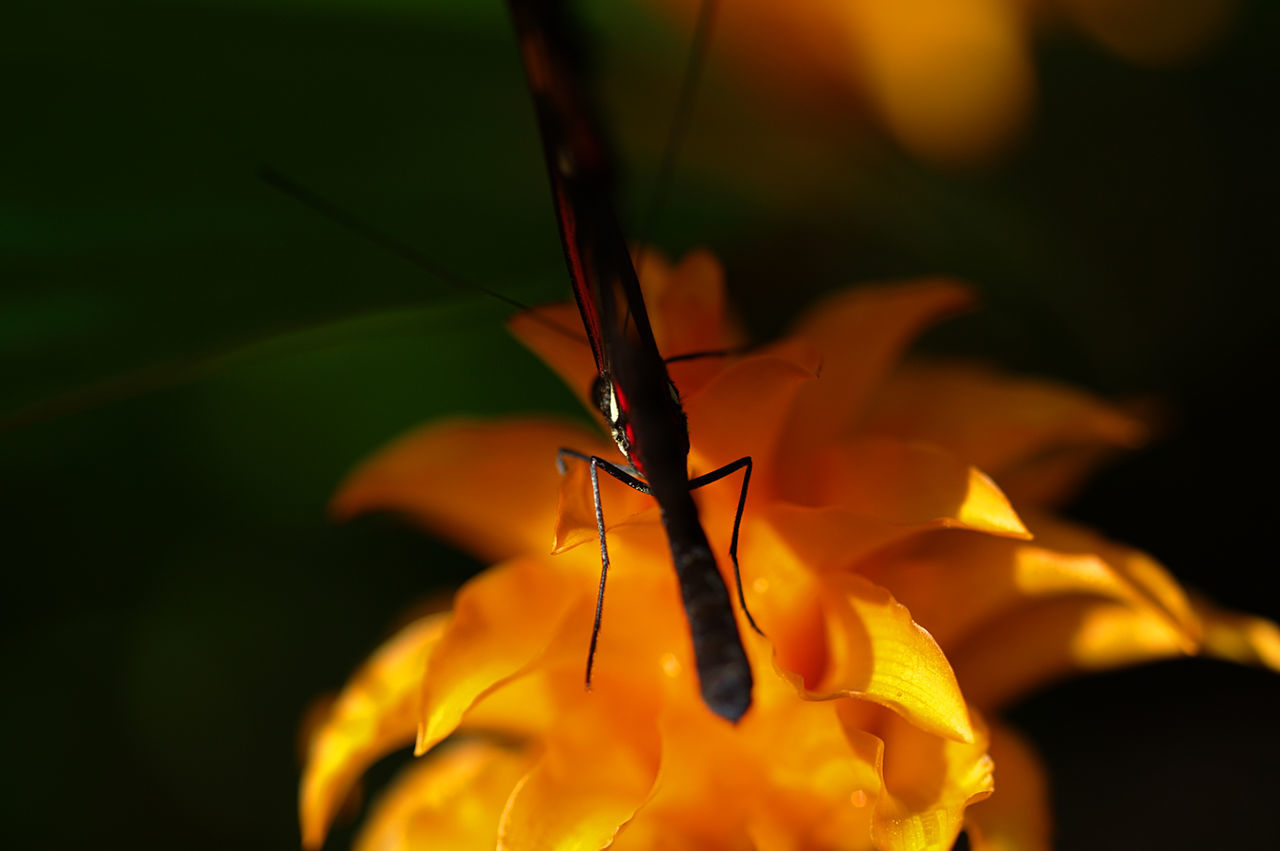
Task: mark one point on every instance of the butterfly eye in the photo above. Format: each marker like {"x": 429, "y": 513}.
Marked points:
{"x": 605, "y": 397}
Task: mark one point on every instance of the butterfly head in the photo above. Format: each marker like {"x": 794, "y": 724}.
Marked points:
{"x": 612, "y": 402}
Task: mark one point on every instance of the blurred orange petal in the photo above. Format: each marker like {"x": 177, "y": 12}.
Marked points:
{"x": 486, "y": 487}
{"x": 1039, "y": 644}
{"x": 991, "y": 420}
{"x": 952, "y": 80}
{"x": 376, "y": 713}
{"x": 451, "y": 799}
{"x": 1244, "y": 639}
{"x": 1017, "y": 816}
{"x": 1055, "y": 477}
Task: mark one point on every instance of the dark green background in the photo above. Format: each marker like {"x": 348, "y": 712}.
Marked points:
{"x": 189, "y": 363}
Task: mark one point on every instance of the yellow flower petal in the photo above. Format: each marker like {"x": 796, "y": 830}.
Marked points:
{"x": 910, "y": 484}
{"x": 859, "y": 333}
{"x": 644, "y": 632}
{"x": 874, "y": 527}
{"x": 503, "y": 620}
{"x": 823, "y": 783}
{"x": 597, "y": 768}
{"x": 521, "y": 708}
{"x": 486, "y": 487}
{"x": 375, "y": 714}
{"x": 928, "y": 781}
{"x": 786, "y": 600}
{"x": 1016, "y": 817}
{"x": 825, "y": 539}
{"x": 995, "y": 577}
{"x": 451, "y": 799}
{"x": 879, "y": 653}
{"x": 689, "y": 314}
{"x": 787, "y": 778}
{"x": 1146, "y": 575}
{"x": 743, "y": 410}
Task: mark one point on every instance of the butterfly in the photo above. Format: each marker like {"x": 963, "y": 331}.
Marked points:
{"x": 633, "y": 389}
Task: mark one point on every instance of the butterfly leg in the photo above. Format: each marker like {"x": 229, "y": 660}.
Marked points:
{"x": 744, "y": 464}
{"x": 626, "y": 478}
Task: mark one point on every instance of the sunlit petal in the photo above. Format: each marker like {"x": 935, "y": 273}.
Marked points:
{"x": 1039, "y": 644}
{"x": 995, "y": 577}
{"x": 879, "y": 653}
{"x": 1146, "y": 575}
{"x": 910, "y": 484}
{"x": 376, "y": 713}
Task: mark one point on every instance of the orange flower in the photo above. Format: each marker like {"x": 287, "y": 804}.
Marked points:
{"x": 904, "y": 600}
{"x": 951, "y": 81}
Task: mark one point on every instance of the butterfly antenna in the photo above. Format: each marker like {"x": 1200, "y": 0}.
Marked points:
{"x": 344, "y": 218}
{"x": 695, "y": 63}
{"x": 353, "y": 223}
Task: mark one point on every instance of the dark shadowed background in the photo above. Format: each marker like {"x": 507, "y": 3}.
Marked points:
{"x": 190, "y": 363}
